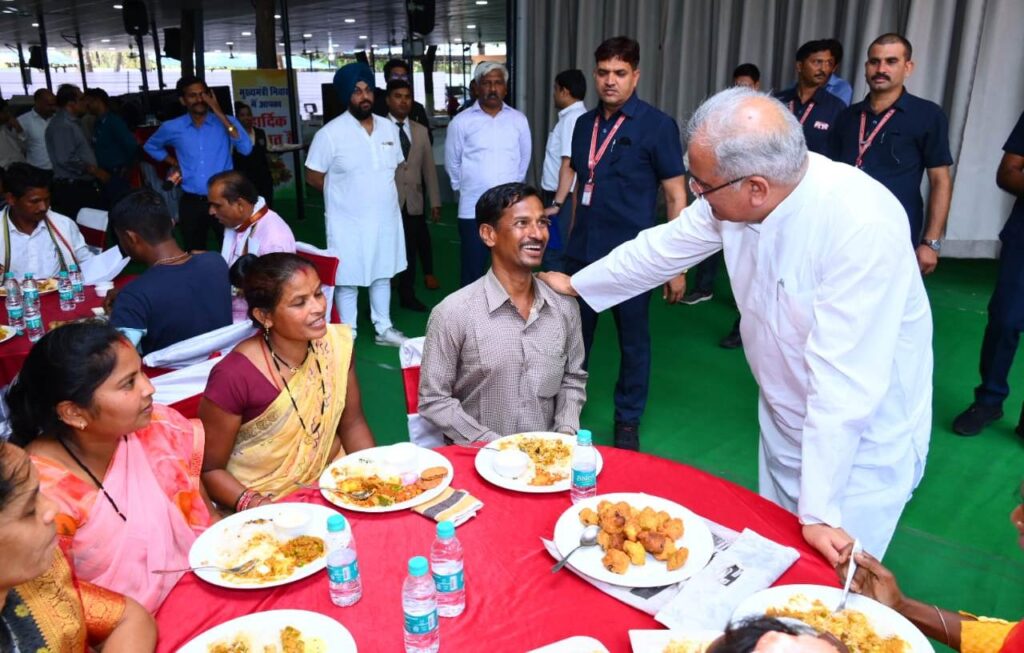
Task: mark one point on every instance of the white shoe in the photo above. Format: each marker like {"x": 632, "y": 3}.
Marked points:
{"x": 391, "y": 338}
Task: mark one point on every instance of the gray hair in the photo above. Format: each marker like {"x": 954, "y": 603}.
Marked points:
{"x": 489, "y": 66}
{"x": 774, "y": 147}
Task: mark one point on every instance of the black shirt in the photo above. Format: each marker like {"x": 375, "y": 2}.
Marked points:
{"x": 824, "y": 109}
{"x": 1015, "y": 145}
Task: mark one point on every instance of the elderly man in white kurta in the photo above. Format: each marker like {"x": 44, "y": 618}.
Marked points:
{"x": 836, "y": 324}
{"x": 353, "y": 160}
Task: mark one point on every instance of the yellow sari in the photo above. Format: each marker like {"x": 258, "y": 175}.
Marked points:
{"x": 273, "y": 452}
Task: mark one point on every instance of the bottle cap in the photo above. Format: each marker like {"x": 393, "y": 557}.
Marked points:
{"x": 583, "y": 436}
{"x": 8, "y": 275}
{"x": 73, "y": 267}
{"x": 28, "y": 275}
{"x": 63, "y": 274}
{"x": 418, "y": 566}
{"x": 336, "y": 523}
{"x": 445, "y": 530}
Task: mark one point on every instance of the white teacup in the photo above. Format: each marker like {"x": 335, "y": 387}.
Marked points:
{"x": 103, "y": 287}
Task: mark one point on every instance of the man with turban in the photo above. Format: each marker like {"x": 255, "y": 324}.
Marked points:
{"x": 352, "y": 160}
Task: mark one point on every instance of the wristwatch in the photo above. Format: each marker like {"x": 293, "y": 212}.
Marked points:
{"x": 936, "y": 245}
{"x": 556, "y": 204}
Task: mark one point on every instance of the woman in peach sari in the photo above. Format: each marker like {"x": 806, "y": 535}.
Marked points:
{"x": 43, "y": 606}
{"x": 123, "y": 471}
{"x": 285, "y": 402}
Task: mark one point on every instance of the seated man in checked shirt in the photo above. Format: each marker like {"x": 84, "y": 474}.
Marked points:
{"x": 504, "y": 354}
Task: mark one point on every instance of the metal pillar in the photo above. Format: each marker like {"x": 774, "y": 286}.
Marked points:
{"x": 200, "y": 43}
{"x": 156, "y": 53}
{"x": 293, "y": 112}
{"x": 43, "y": 46}
{"x": 81, "y": 59}
{"x": 25, "y": 72}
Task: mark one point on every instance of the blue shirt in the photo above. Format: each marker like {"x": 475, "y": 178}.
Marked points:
{"x": 840, "y": 88}
{"x": 1015, "y": 145}
{"x": 646, "y": 150}
{"x": 113, "y": 142}
{"x": 201, "y": 151}
{"x": 915, "y": 138}
{"x": 176, "y": 302}
{"x": 819, "y": 121}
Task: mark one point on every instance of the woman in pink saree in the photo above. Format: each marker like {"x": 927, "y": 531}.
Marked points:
{"x": 123, "y": 471}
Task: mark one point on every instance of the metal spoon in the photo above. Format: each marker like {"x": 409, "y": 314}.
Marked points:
{"x": 240, "y": 569}
{"x": 358, "y": 495}
{"x": 857, "y": 548}
{"x": 587, "y": 538}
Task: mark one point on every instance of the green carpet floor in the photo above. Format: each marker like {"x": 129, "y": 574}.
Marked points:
{"x": 955, "y": 545}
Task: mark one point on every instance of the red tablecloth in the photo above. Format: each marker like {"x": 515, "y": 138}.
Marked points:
{"x": 514, "y": 602}
{"x": 14, "y": 351}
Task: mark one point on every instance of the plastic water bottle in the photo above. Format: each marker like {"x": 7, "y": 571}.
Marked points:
{"x": 29, "y": 291}
{"x": 346, "y": 586}
{"x": 33, "y": 321}
{"x": 419, "y": 603}
{"x": 65, "y": 291}
{"x": 15, "y": 306}
{"x": 77, "y": 283}
{"x": 584, "y": 468}
{"x": 447, "y": 569}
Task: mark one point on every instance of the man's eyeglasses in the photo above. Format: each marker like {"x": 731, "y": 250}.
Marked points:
{"x": 701, "y": 189}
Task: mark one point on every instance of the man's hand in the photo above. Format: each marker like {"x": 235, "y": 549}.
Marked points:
{"x": 435, "y": 214}
{"x": 559, "y": 282}
{"x": 674, "y": 289}
{"x": 871, "y": 579}
{"x": 101, "y": 174}
{"x": 552, "y": 211}
{"x": 828, "y": 541}
{"x": 211, "y": 101}
{"x": 927, "y": 259}
{"x": 108, "y": 301}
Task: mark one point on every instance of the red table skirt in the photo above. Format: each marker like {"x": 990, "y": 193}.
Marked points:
{"x": 514, "y": 602}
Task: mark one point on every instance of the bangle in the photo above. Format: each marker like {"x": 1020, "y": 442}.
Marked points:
{"x": 245, "y": 499}
{"x": 945, "y": 630}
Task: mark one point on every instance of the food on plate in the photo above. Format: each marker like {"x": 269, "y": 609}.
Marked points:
{"x": 850, "y": 626}
{"x": 511, "y": 463}
{"x": 551, "y": 457}
{"x": 289, "y": 640}
{"x": 629, "y": 534}
{"x": 686, "y": 646}
{"x": 276, "y": 559}
{"x": 372, "y": 486}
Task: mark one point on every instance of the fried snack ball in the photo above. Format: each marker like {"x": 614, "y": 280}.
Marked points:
{"x": 672, "y": 529}
{"x": 631, "y": 530}
{"x": 677, "y": 559}
{"x": 653, "y": 542}
{"x": 615, "y": 561}
{"x": 624, "y": 509}
{"x": 608, "y": 540}
{"x": 648, "y": 519}
{"x": 604, "y": 505}
{"x": 636, "y": 552}
{"x": 611, "y": 521}
{"x": 670, "y": 548}
{"x": 588, "y": 517}
{"x": 663, "y": 517}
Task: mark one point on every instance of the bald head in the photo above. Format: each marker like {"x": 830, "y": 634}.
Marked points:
{"x": 45, "y": 102}
{"x": 749, "y": 133}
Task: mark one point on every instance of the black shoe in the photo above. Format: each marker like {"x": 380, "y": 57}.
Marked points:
{"x": 696, "y": 297}
{"x": 731, "y": 341}
{"x": 627, "y": 436}
{"x": 974, "y": 420}
{"x": 413, "y": 304}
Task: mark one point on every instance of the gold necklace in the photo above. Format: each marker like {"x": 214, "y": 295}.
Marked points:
{"x": 172, "y": 259}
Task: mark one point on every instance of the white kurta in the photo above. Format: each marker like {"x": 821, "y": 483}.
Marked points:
{"x": 837, "y": 330}
{"x": 364, "y": 221}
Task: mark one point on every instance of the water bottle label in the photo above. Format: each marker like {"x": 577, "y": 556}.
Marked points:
{"x": 31, "y": 295}
{"x": 344, "y": 573}
{"x": 16, "y": 313}
{"x": 584, "y": 477}
{"x": 67, "y": 294}
{"x": 451, "y": 583}
{"x": 78, "y": 288}
{"x": 420, "y": 624}
{"x": 34, "y": 322}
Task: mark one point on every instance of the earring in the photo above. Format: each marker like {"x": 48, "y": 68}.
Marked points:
{"x": 266, "y": 333}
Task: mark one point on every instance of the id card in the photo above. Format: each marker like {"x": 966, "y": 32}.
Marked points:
{"x": 588, "y": 191}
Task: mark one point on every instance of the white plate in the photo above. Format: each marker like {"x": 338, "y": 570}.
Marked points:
{"x": 378, "y": 457}
{"x": 884, "y": 620}
{"x": 484, "y": 463}
{"x": 696, "y": 537}
{"x": 263, "y": 626}
{"x": 7, "y": 332}
{"x": 215, "y": 544}
{"x": 655, "y": 641}
{"x": 577, "y": 644}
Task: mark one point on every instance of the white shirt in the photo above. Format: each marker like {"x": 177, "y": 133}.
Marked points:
{"x": 836, "y": 328}
{"x": 35, "y": 139}
{"x": 364, "y": 222}
{"x": 12, "y": 147}
{"x": 405, "y": 127}
{"x": 482, "y": 151}
{"x": 560, "y": 144}
{"x": 35, "y": 252}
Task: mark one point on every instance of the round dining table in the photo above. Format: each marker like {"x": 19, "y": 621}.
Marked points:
{"x": 513, "y": 601}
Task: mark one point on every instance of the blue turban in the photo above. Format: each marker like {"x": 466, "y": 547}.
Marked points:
{"x": 348, "y": 76}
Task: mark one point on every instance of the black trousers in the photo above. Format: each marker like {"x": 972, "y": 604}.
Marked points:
{"x": 69, "y": 196}
{"x": 195, "y": 221}
{"x": 417, "y": 244}
{"x": 1005, "y": 320}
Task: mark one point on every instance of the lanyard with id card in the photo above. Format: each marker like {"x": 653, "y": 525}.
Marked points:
{"x": 595, "y": 157}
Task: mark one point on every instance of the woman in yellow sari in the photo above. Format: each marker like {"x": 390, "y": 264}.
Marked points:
{"x": 44, "y": 607}
{"x": 285, "y": 402}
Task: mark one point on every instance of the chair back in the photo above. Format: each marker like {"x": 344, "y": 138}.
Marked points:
{"x": 93, "y": 225}
{"x": 326, "y": 265}
{"x": 421, "y": 431}
{"x": 199, "y": 348}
